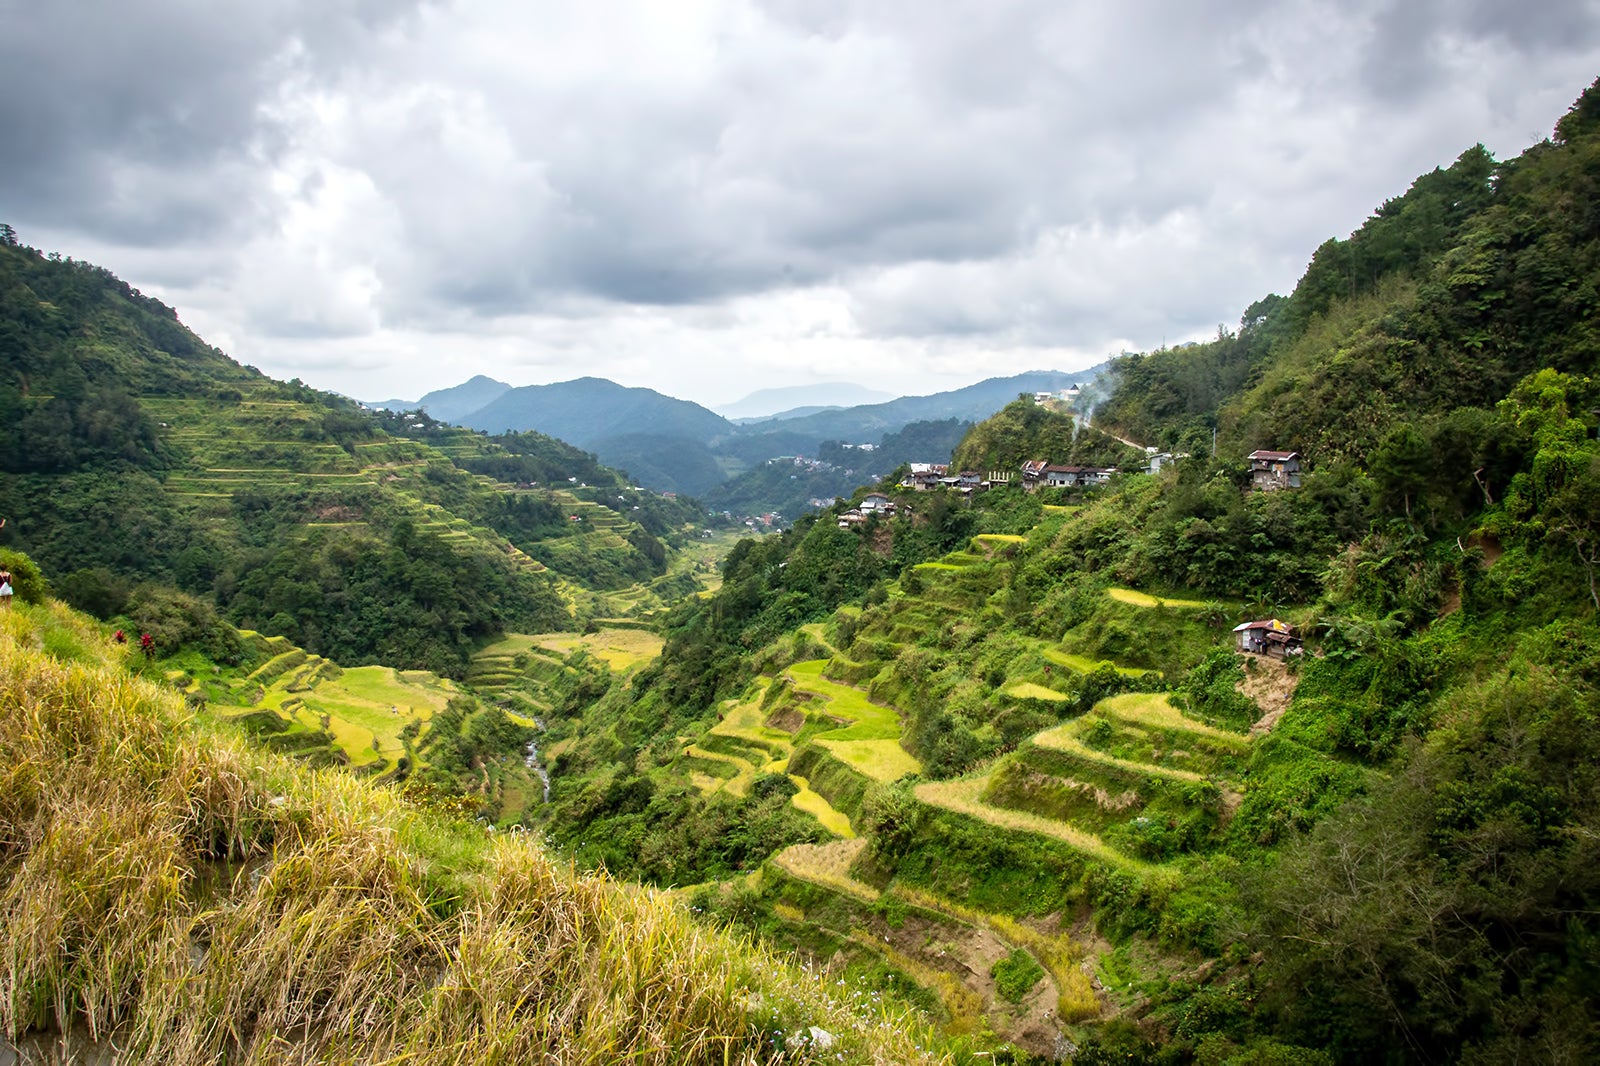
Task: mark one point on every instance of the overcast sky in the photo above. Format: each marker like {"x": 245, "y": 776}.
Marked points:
{"x": 708, "y": 198}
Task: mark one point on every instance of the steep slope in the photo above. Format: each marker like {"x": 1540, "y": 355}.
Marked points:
{"x": 143, "y": 468}
{"x": 170, "y": 895}
{"x": 1027, "y": 712}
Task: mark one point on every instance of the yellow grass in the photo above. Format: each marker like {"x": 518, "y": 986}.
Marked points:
{"x": 962, "y": 1004}
{"x": 1064, "y": 738}
{"x": 364, "y": 930}
{"x": 816, "y": 805}
{"x": 746, "y": 719}
{"x": 827, "y": 865}
{"x": 619, "y": 649}
{"x": 1059, "y": 953}
{"x": 881, "y": 760}
{"x": 739, "y": 783}
{"x": 1156, "y": 710}
{"x": 1085, "y": 665}
{"x": 1144, "y": 599}
{"x": 1029, "y": 690}
{"x": 963, "y": 797}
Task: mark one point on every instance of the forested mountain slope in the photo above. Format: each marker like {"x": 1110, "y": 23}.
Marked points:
{"x": 1002, "y": 750}
{"x": 140, "y": 466}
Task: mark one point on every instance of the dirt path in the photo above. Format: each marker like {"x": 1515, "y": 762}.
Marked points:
{"x": 1272, "y": 686}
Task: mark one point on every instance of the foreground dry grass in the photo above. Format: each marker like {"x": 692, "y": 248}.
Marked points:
{"x": 203, "y": 902}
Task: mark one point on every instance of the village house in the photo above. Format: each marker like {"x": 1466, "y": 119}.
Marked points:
{"x": 851, "y": 518}
{"x": 876, "y": 503}
{"x": 1271, "y": 470}
{"x": 1268, "y": 637}
{"x": 1063, "y": 477}
{"x": 924, "y": 476}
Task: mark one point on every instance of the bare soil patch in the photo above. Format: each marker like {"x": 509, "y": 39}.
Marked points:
{"x": 1271, "y": 685}
{"x": 788, "y": 718}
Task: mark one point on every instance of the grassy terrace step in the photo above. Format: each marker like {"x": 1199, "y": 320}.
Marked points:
{"x": 870, "y": 744}
{"x": 1155, "y": 711}
{"x": 756, "y": 752}
{"x": 965, "y": 797}
{"x": 744, "y": 770}
{"x": 1144, "y": 599}
{"x": 814, "y": 804}
{"x": 827, "y": 865}
{"x": 1028, "y": 690}
{"x": 1064, "y": 739}
{"x": 1085, "y": 665}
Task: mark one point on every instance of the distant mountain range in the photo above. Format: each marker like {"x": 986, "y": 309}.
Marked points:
{"x": 675, "y": 445}
{"x": 800, "y": 399}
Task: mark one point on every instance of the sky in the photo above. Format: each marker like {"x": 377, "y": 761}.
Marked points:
{"x": 710, "y": 197}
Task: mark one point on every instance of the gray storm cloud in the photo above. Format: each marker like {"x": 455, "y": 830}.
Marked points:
{"x": 713, "y": 193}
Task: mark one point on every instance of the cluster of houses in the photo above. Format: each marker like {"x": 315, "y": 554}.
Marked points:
{"x": 1034, "y": 475}
{"x": 1269, "y": 471}
{"x": 925, "y": 476}
{"x": 1066, "y": 395}
{"x": 874, "y": 503}
{"x": 1037, "y": 473}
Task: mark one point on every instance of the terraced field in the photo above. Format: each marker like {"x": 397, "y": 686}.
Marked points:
{"x": 864, "y": 738}
{"x": 870, "y": 741}
{"x": 1144, "y": 599}
{"x": 361, "y": 712}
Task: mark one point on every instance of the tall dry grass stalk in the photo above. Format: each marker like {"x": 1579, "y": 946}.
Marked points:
{"x": 198, "y": 901}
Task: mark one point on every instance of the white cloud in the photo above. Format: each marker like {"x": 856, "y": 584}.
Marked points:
{"x": 714, "y": 197}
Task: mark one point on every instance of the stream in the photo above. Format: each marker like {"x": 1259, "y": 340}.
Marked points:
{"x": 530, "y": 759}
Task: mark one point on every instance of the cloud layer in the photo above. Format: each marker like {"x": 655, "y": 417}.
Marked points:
{"x": 711, "y": 197}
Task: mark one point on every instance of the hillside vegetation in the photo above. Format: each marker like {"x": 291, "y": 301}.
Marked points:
{"x": 1022, "y": 724}
{"x": 993, "y": 757}
{"x": 155, "y": 478}
{"x": 168, "y": 891}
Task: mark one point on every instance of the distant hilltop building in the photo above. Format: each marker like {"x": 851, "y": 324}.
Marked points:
{"x": 1270, "y": 470}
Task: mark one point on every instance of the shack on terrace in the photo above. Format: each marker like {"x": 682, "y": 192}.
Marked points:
{"x": 1268, "y": 637}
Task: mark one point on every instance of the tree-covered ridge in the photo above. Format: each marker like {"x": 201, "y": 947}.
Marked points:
{"x": 1480, "y": 274}
{"x": 1028, "y": 707}
{"x": 136, "y": 459}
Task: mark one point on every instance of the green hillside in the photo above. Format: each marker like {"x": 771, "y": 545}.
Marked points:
{"x": 169, "y": 894}
{"x": 1003, "y": 750}
{"x": 153, "y": 477}
{"x": 1000, "y": 758}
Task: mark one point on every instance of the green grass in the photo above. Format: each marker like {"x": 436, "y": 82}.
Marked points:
{"x": 835, "y": 822}
{"x": 1064, "y": 739}
{"x": 1016, "y": 975}
{"x": 1155, "y": 710}
{"x": 870, "y": 744}
{"x": 1085, "y": 665}
{"x": 965, "y": 797}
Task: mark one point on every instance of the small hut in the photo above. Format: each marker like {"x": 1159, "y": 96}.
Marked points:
{"x": 1268, "y": 637}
